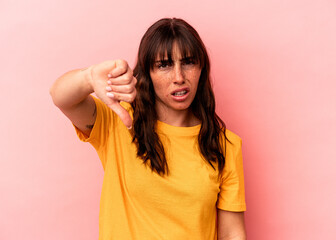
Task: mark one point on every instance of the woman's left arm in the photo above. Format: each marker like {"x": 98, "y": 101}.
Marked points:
{"x": 231, "y": 225}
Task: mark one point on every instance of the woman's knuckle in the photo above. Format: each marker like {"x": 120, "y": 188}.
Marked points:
{"x": 127, "y": 77}
{"x": 129, "y": 88}
{"x": 133, "y": 94}
{"x": 123, "y": 68}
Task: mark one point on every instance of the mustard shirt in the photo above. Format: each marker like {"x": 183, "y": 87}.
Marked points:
{"x": 138, "y": 204}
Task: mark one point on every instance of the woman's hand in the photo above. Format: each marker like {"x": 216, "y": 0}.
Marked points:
{"x": 112, "y": 82}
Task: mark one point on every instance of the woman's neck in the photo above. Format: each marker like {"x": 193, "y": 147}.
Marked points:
{"x": 181, "y": 118}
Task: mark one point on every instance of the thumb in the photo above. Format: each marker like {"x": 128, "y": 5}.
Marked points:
{"x": 122, "y": 113}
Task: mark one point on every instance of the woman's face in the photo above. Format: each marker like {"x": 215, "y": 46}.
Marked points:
{"x": 175, "y": 84}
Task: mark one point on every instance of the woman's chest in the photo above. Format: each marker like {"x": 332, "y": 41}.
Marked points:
{"x": 191, "y": 180}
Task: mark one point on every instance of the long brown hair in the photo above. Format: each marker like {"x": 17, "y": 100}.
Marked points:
{"x": 158, "y": 41}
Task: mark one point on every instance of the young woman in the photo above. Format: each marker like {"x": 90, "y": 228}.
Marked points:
{"x": 172, "y": 170}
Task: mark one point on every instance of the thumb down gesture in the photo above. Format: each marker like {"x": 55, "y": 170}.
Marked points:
{"x": 112, "y": 82}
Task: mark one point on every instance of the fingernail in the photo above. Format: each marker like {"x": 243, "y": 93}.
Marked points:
{"x": 129, "y": 128}
{"x": 109, "y": 75}
{"x": 110, "y": 94}
{"x": 109, "y": 82}
{"x": 108, "y": 88}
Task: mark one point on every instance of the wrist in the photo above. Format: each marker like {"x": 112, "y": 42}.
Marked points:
{"x": 88, "y": 78}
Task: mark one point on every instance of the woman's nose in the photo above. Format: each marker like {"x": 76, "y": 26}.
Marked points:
{"x": 179, "y": 75}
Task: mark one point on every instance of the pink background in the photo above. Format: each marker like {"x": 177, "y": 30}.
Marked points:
{"x": 274, "y": 77}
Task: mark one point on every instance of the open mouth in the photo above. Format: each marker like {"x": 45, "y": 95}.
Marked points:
{"x": 180, "y": 93}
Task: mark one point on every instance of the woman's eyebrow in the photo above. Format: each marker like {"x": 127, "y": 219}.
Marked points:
{"x": 188, "y": 58}
{"x": 181, "y": 59}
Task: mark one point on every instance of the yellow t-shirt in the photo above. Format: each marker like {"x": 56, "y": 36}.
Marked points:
{"x": 138, "y": 204}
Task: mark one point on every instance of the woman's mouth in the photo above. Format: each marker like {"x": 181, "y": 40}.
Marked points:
{"x": 180, "y": 93}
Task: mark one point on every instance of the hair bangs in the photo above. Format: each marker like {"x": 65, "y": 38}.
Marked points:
{"x": 189, "y": 48}
{"x": 162, "y": 48}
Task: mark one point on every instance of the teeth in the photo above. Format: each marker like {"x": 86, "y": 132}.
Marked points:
{"x": 180, "y": 93}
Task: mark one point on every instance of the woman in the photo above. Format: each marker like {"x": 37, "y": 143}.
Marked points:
{"x": 172, "y": 170}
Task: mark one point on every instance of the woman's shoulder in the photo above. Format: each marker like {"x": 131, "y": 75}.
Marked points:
{"x": 233, "y": 141}
{"x": 232, "y": 137}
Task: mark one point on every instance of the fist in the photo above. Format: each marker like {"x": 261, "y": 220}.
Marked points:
{"x": 112, "y": 82}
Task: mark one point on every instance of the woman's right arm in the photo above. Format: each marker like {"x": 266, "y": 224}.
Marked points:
{"x": 71, "y": 92}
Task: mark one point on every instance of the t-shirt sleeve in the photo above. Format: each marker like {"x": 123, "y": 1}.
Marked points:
{"x": 232, "y": 191}
{"x": 101, "y": 127}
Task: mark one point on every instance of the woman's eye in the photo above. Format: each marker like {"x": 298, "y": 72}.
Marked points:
{"x": 189, "y": 61}
{"x": 163, "y": 64}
